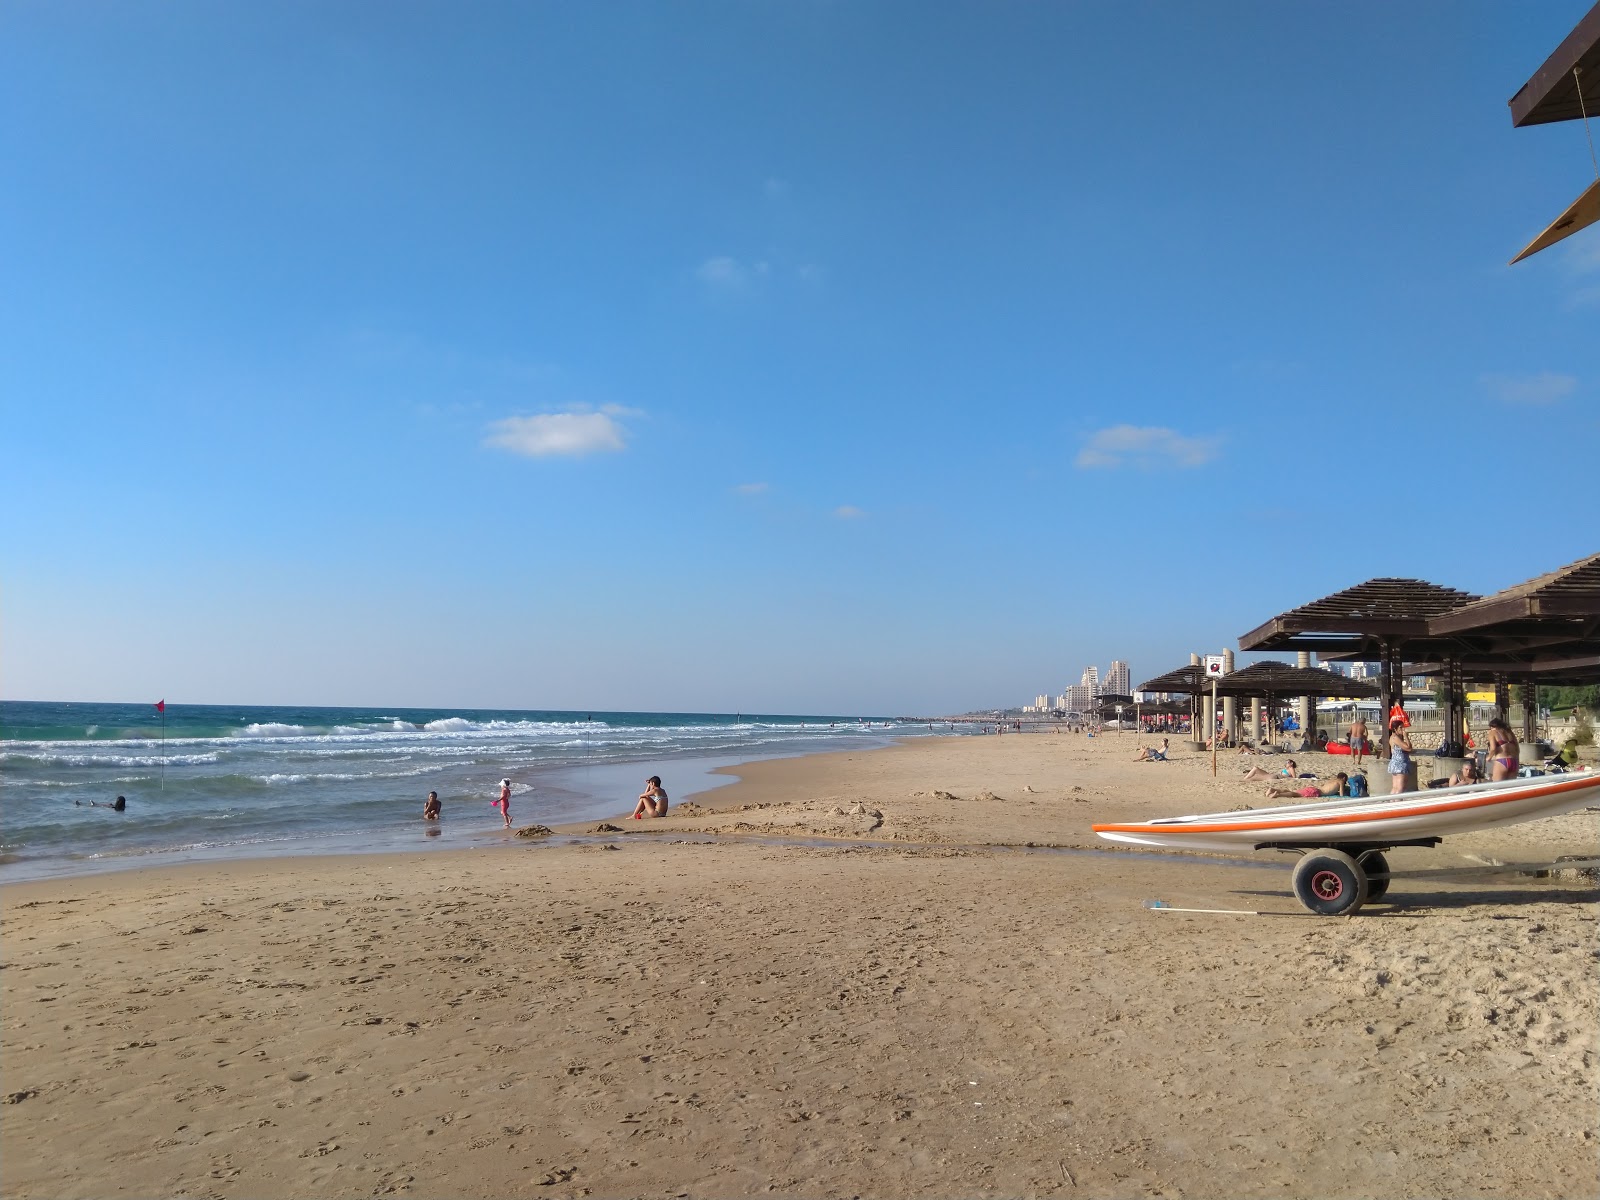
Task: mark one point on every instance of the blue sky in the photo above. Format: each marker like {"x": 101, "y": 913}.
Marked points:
{"x": 775, "y": 357}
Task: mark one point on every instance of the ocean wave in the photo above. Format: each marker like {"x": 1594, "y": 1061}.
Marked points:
{"x": 113, "y": 760}
{"x": 272, "y": 729}
{"x": 451, "y": 725}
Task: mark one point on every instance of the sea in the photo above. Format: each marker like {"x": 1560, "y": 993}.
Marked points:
{"x": 208, "y": 782}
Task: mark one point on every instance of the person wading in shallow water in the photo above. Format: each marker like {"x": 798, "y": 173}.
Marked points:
{"x": 503, "y": 801}
{"x": 120, "y": 804}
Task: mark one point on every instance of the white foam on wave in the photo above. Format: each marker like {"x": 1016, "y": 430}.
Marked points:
{"x": 114, "y": 760}
{"x": 272, "y": 729}
{"x": 451, "y": 725}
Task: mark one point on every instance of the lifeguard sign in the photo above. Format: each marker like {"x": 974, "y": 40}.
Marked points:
{"x": 1214, "y": 672}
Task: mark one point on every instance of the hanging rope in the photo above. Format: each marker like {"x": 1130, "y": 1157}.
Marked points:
{"x": 1577, "y": 80}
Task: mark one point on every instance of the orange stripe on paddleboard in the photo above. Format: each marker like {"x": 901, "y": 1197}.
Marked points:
{"x": 1351, "y": 818}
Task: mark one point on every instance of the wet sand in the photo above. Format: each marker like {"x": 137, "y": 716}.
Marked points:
{"x": 895, "y": 997}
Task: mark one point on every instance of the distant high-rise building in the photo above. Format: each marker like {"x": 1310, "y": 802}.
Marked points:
{"x": 1091, "y": 678}
{"x": 1119, "y": 682}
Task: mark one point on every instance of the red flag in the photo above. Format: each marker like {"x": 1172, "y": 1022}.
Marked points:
{"x": 161, "y": 706}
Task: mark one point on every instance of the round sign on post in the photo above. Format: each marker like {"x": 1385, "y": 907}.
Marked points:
{"x": 1214, "y": 672}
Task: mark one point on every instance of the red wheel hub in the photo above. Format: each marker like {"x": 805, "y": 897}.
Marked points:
{"x": 1327, "y": 885}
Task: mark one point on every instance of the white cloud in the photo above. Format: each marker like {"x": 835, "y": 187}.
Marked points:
{"x": 751, "y": 489}
{"x": 728, "y": 274}
{"x": 1145, "y": 447}
{"x": 569, "y": 434}
{"x": 848, "y": 512}
{"x": 1547, "y": 387}
{"x": 724, "y": 272}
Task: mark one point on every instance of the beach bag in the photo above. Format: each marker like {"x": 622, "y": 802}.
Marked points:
{"x": 1358, "y": 785}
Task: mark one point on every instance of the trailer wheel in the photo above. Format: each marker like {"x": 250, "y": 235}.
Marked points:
{"x": 1330, "y": 883}
{"x": 1376, "y": 867}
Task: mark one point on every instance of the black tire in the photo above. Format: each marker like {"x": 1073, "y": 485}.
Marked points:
{"x": 1330, "y": 883}
{"x": 1376, "y": 867}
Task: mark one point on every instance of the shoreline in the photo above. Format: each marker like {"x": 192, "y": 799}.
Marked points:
{"x": 820, "y": 1002}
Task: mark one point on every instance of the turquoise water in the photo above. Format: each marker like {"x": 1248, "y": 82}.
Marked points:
{"x": 233, "y": 782}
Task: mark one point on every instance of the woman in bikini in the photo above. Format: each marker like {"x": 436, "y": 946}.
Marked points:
{"x": 652, "y": 801}
{"x": 1288, "y": 772}
{"x": 1504, "y": 752}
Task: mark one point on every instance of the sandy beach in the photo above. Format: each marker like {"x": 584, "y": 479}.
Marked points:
{"x": 908, "y": 971}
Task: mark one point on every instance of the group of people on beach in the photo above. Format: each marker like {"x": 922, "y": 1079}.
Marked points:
{"x": 652, "y": 802}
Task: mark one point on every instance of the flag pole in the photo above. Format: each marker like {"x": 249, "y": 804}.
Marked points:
{"x": 161, "y": 707}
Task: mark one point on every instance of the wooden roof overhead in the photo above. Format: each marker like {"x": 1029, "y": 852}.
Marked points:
{"x": 1396, "y": 609}
{"x": 1261, "y": 679}
{"x": 1271, "y": 678}
{"x": 1188, "y": 680}
{"x": 1552, "y": 93}
{"x": 1553, "y": 669}
{"x": 1565, "y": 600}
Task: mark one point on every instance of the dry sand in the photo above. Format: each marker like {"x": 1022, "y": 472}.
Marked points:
{"x": 930, "y": 1008}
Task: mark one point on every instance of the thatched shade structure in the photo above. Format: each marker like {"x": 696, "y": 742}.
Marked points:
{"x": 1262, "y": 679}
{"x": 1269, "y": 680}
{"x": 1552, "y": 93}
{"x": 1546, "y": 630}
{"x": 1381, "y": 620}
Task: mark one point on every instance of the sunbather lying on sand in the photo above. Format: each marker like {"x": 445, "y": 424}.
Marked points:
{"x": 1288, "y": 771}
{"x": 1311, "y": 791}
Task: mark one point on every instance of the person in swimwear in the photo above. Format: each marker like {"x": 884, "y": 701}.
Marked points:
{"x": 503, "y": 801}
{"x": 120, "y": 804}
{"x": 1339, "y": 787}
{"x": 1153, "y": 753}
{"x": 1255, "y": 773}
{"x": 1467, "y": 774}
{"x": 652, "y": 801}
{"x": 431, "y": 807}
{"x": 1504, "y": 752}
{"x": 1400, "y": 750}
{"x": 1358, "y": 740}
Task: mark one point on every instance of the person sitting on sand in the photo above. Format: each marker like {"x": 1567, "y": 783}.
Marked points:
{"x": 431, "y": 807}
{"x": 1153, "y": 753}
{"x": 1255, "y": 773}
{"x": 652, "y": 801}
{"x": 1311, "y": 791}
{"x": 120, "y": 804}
{"x": 1467, "y": 774}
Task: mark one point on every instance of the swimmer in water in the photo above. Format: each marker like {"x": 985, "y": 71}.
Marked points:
{"x": 120, "y": 804}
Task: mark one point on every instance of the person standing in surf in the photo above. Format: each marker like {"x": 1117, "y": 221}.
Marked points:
{"x": 503, "y": 801}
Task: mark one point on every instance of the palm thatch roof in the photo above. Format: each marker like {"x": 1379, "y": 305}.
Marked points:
{"x": 1267, "y": 678}
{"x": 1349, "y": 622}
